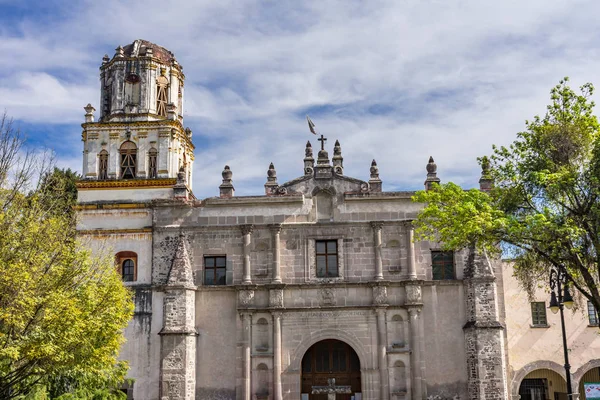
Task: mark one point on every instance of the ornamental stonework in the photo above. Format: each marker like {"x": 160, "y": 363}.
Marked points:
{"x": 380, "y": 295}
{"x": 245, "y": 297}
{"x": 413, "y": 294}
{"x": 276, "y": 298}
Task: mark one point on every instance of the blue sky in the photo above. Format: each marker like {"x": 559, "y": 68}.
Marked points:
{"x": 397, "y": 81}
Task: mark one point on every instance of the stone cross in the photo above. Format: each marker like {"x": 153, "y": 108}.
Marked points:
{"x": 322, "y": 139}
{"x": 331, "y": 389}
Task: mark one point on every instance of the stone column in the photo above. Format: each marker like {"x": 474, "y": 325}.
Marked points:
{"x": 377, "y": 225}
{"x": 246, "y": 232}
{"x": 276, "y": 230}
{"x": 384, "y": 389}
{"x": 277, "y": 393}
{"x": 415, "y": 359}
{"x": 246, "y": 339}
{"x": 410, "y": 246}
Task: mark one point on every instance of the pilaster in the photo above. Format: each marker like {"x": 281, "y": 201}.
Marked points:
{"x": 246, "y": 233}
{"x": 275, "y": 232}
{"x": 377, "y": 226}
{"x": 384, "y": 387}
{"x": 178, "y": 335}
{"x": 277, "y": 392}
{"x": 484, "y": 341}
{"x": 246, "y": 361}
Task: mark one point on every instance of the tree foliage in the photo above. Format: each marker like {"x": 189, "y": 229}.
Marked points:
{"x": 545, "y": 201}
{"x": 62, "y": 310}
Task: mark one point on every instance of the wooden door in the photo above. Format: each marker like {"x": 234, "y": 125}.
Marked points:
{"x": 330, "y": 359}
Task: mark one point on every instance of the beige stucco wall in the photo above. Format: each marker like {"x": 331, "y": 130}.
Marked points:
{"x": 532, "y": 348}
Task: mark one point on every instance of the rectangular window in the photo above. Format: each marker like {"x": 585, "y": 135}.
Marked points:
{"x": 592, "y": 314}
{"x": 327, "y": 258}
{"x": 538, "y": 313}
{"x": 442, "y": 264}
{"x": 214, "y": 270}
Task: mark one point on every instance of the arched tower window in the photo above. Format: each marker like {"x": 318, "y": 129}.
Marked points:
{"x": 162, "y": 94}
{"x": 103, "y": 165}
{"x": 128, "y": 160}
{"x": 152, "y": 163}
{"x": 127, "y": 265}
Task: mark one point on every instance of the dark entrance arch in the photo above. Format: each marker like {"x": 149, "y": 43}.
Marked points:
{"x": 330, "y": 359}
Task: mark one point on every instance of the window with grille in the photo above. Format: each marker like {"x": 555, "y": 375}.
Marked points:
{"x": 128, "y": 268}
{"x": 327, "y": 258}
{"x": 152, "y": 164}
{"x": 103, "y": 165}
{"x": 592, "y": 314}
{"x": 128, "y": 152}
{"x": 538, "y": 314}
{"x": 127, "y": 265}
{"x": 162, "y": 95}
{"x": 442, "y": 265}
{"x": 215, "y": 270}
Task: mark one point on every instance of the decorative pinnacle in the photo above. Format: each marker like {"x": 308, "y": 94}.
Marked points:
{"x": 337, "y": 149}
{"x": 431, "y": 174}
{"x": 271, "y": 173}
{"x": 431, "y": 166}
{"x": 308, "y": 151}
{"x": 374, "y": 170}
{"x": 105, "y": 59}
{"x": 486, "y": 182}
{"x": 227, "y": 174}
{"x": 119, "y": 52}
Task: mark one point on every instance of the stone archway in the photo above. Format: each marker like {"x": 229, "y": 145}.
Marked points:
{"x": 368, "y": 374}
{"x": 522, "y": 373}
{"x": 330, "y": 359}
{"x": 588, "y": 372}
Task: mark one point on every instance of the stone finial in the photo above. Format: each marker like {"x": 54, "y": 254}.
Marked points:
{"x": 338, "y": 160}
{"x": 271, "y": 185}
{"x": 180, "y": 189}
{"x": 105, "y": 59}
{"x": 226, "y": 188}
{"x": 180, "y": 273}
{"x": 119, "y": 52}
{"x": 375, "y": 182}
{"x": 188, "y": 133}
{"x": 486, "y": 182}
{"x": 89, "y": 113}
{"x": 309, "y": 161}
{"x": 431, "y": 174}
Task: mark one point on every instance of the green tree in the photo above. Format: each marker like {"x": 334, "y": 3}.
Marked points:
{"x": 58, "y": 190}
{"x": 544, "y": 206}
{"x": 62, "y": 309}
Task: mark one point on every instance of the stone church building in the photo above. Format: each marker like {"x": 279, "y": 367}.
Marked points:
{"x": 313, "y": 290}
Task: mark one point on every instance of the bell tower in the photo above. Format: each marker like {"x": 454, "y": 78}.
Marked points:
{"x": 139, "y": 140}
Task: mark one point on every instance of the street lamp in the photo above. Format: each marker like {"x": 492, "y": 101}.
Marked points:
{"x": 559, "y": 300}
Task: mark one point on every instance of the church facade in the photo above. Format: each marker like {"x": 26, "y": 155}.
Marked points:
{"x": 315, "y": 289}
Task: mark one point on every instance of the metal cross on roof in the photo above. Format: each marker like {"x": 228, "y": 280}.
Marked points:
{"x": 322, "y": 139}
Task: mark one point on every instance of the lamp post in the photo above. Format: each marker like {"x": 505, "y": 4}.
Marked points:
{"x": 560, "y": 299}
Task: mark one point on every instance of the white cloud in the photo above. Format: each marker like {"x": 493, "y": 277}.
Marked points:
{"x": 448, "y": 78}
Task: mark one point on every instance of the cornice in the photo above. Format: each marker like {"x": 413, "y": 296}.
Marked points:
{"x": 126, "y": 184}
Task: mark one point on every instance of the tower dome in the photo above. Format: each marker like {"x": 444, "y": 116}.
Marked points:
{"x": 139, "y": 141}
{"x": 142, "y": 81}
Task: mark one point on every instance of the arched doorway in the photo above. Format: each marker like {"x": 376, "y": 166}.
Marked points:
{"x": 330, "y": 359}
{"x": 543, "y": 384}
{"x": 591, "y": 376}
